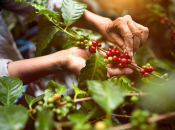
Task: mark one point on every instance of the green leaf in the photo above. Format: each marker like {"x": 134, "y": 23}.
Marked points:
{"x": 10, "y": 89}
{"x": 53, "y": 88}
{"x": 13, "y": 117}
{"x": 69, "y": 44}
{"x": 31, "y": 100}
{"x": 95, "y": 69}
{"x": 44, "y": 38}
{"x": 123, "y": 82}
{"x": 71, "y": 11}
{"x": 30, "y": 17}
{"x": 106, "y": 94}
{"x": 44, "y": 120}
{"x": 77, "y": 91}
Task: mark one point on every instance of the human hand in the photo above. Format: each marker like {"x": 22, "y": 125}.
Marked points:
{"x": 77, "y": 57}
{"x": 124, "y": 32}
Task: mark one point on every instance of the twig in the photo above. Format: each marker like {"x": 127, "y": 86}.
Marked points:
{"x": 149, "y": 121}
{"x": 125, "y": 116}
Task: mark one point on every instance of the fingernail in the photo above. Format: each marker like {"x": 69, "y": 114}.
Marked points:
{"x": 131, "y": 53}
{"x": 124, "y": 50}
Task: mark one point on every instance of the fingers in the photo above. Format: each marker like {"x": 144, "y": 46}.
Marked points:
{"x": 144, "y": 33}
{"x": 125, "y": 32}
{"x": 119, "y": 71}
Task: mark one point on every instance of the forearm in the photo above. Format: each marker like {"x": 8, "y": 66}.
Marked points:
{"x": 92, "y": 21}
{"x": 30, "y": 70}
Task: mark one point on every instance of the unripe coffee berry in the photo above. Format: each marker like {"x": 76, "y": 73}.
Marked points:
{"x": 69, "y": 105}
{"x": 68, "y": 99}
{"x": 148, "y": 64}
{"x": 134, "y": 99}
{"x": 50, "y": 99}
{"x": 110, "y": 58}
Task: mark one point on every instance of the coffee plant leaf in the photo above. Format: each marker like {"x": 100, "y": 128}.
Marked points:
{"x": 53, "y": 88}
{"x": 106, "y": 94}
{"x": 13, "y": 117}
{"x": 31, "y": 100}
{"x": 30, "y": 17}
{"x": 10, "y": 89}
{"x": 78, "y": 91}
{"x": 123, "y": 82}
{"x": 161, "y": 64}
{"x": 95, "y": 69}
{"x": 44, "y": 38}
{"x": 72, "y": 11}
{"x": 44, "y": 120}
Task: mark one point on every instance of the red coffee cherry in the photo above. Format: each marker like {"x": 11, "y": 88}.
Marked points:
{"x": 106, "y": 57}
{"x": 147, "y": 69}
{"x": 115, "y": 58}
{"x": 117, "y": 52}
{"x": 126, "y": 56}
{"x": 113, "y": 52}
{"x": 142, "y": 71}
{"x": 151, "y": 69}
{"x": 108, "y": 53}
{"x": 94, "y": 43}
{"x": 119, "y": 59}
{"x": 146, "y": 74}
{"x": 123, "y": 60}
{"x": 92, "y": 49}
{"x": 56, "y": 96}
{"x": 99, "y": 45}
{"x": 114, "y": 48}
{"x": 120, "y": 65}
{"x": 109, "y": 49}
{"x": 122, "y": 56}
{"x": 129, "y": 61}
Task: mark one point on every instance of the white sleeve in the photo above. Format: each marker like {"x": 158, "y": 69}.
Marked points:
{"x": 54, "y": 5}
{"x": 3, "y": 67}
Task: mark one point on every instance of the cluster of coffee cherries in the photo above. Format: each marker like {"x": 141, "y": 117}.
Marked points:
{"x": 52, "y": 104}
{"x": 82, "y": 40}
{"x": 93, "y": 45}
{"x": 123, "y": 59}
{"x": 139, "y": 118}
{"x": 146, "y": 70}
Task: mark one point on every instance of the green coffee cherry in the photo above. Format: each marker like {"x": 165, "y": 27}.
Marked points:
{"x": 73, "y": 107}
{"x": 86, "y": 41}
{"x": 40, "y": 103}
{"x": 143, "y": 66}
{"x": 110, "y": 58}
{"x": 78, "y": 42}
{"x": 58, "y": 111}
{"x": 51, "y": 105}
{"x": 148, "y": 64}
{"x": 34, "y": 111}
{"x": 50, "y": 99}
{"x": 134, "y": 99}
{"x": 68, "y": 99}
{"x": 78, "y": 38}
{"x": 54, "y": 109}
{"x": 69, "y": 105}
{"x": 165, "y": 75}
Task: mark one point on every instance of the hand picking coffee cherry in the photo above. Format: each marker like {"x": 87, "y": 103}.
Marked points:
{"x": 146, "y": 70}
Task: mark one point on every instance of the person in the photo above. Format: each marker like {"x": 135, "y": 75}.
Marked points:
{"x": 123, "y": 32}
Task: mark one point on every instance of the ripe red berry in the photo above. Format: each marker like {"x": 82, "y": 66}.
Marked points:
{"x": 122, "y": 56}
{"x": 94, "y": 43}
{"x": 142, "y": 71}
{"x": 95, "y": 40}
{"x": 126, "y": 56}
{"x": 99, "y": 45}
{"x": 123, "y": 60}
{"x": 120, "y": 65}
{"x": 109, "y": 49}
{"x": 113, "y": 52}
{"x": 117, "y": 52}
{"x": 151, "y": 69}
{"x": 114, "y": 48}
{"x": 108, "y": 53}
{"x": 106, "y": 57}
{"x": 146, "y": 74}
{"x": 92, "y": 49}
{"x": 147, "y": 69}
{"x": 115, "y": 58}
{"x": 129, "y": 61}
{"x": 119, "y": 59}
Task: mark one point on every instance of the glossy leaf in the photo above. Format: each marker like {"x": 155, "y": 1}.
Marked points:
{"x": 95, "y": 69}
{"x": 44, "y": 38}
{"x": 10, "y": 89}
{"x": 31, "y": 100}
{"x": 30, "y": 17}
{"x": 78, "y": 91}
{"x": 44, "y": 120}
{"x": 106, "y": 94}
{"x": 13, "y": 117}
{"x": 72, "y": 11}
{"x": 123, "y": 82}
